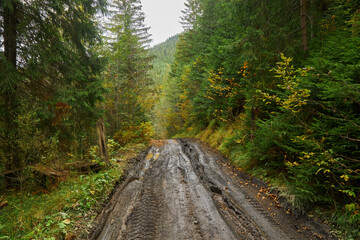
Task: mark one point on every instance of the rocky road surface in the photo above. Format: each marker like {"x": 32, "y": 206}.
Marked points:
{"x": 184, "y": 190}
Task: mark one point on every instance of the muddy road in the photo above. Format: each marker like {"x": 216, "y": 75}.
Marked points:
{"x": 183, "y": 190}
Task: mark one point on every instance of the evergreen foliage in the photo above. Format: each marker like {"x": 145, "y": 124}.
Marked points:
{"x": 127, "y": 72}
{"x": 287, "y": 74}
{"x": 162, "y": 90}
{"x": 48, "y": 77}
{"x": 59, "y": 76}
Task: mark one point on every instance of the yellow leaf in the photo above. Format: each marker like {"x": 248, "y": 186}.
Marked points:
{"x": 67, "y": 221}
{"x": 345, "y": 177}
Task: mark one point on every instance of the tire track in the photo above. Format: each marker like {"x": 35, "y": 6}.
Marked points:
{"x": 178, "y": 191}
{"x": 256, "y": 222}
{"x": 142, "y": 222}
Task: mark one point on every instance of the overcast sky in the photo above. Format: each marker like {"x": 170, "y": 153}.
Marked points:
{"x": 163, "y": 17}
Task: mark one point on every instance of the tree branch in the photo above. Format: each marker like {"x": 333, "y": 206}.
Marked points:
{"x": 347, "y": 158}
{"x": 351, "y": 139}
{"x": 345, "y": 118}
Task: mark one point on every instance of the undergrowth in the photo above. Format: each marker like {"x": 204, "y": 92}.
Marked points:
{"x": 65, "y": 212}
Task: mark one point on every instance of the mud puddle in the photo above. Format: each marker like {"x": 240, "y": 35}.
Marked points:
{"x": 182, "y": 190}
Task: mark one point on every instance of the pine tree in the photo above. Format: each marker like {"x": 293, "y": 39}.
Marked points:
{"x": 190, "y": 14}
{"x": 128, "y": 63}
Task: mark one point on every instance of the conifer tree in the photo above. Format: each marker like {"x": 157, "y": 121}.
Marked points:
{"x": 128, "y": 63}
{"x": 190, "y": 14}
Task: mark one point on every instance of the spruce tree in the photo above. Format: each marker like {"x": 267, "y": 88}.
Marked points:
{"x": 128, "y": 63}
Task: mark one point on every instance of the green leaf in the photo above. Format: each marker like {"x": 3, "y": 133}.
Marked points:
{"x": 62, "y": 225}
{"x": 348, "y": 192}
{"x": 350, "y": 207}
{"x": 318, "y": 170}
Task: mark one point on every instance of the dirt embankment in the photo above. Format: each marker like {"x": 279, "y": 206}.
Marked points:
{"x": 182, "y": 190}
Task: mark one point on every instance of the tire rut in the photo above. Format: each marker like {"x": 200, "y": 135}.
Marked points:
{"x": 234, "y": 210}
{"x": 142, "y": 222}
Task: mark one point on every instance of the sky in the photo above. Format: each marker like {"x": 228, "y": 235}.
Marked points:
{"x": 163, "y": 16}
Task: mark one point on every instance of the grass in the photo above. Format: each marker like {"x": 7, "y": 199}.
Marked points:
{"x": 68, "y": 210}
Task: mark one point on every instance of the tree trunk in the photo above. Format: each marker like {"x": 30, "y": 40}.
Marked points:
{"x": 10, "y": 104}
{"x": 303, "y": 25}
{"x": 100, "y": 127}
{"x": 10, "y": 33}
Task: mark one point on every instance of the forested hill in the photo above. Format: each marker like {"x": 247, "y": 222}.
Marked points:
{"x": 275, "y": 85}
{"x": 163, "y": 56}
{"x": 164, "y": 52}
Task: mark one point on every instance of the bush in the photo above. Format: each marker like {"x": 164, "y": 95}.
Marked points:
{"x": 32, "y": 147}
{"x": 135, "y": 133}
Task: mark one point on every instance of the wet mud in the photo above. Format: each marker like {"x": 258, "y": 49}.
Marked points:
{"x": 184, "y": 190}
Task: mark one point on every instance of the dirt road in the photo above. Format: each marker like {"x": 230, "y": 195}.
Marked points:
{"x": 183, "y": 190}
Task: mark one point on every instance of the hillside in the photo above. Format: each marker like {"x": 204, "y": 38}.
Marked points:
{"x": 164, "y": 56}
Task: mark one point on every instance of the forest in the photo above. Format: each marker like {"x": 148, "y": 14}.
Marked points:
{"x": 273, "y": 85}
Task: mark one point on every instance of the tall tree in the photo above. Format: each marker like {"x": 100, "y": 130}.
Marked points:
{"x": 129, "y": 62}
{"x": 9, "y": 64}
{"x": 303, "y": 15}
{"x": 47, "y": 60}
